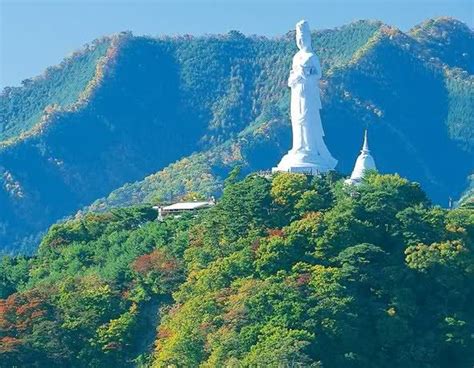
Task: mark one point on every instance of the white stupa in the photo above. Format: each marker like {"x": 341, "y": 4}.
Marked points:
{"x": 364, "y": 162}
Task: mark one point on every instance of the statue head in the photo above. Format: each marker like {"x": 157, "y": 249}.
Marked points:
{"x": 303, "y": 35}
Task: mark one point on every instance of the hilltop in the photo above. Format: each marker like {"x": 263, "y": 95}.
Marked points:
{"x": 285, "y": 270}
{"x": 174, "y": 115}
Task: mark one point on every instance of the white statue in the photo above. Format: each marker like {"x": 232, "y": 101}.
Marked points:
{"x": 309, "y": 152}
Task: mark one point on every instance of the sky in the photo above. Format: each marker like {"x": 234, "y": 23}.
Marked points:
{"x": 36, "y": 34}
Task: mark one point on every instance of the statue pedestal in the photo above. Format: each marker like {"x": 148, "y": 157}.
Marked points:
{"x": 305, "y": 162}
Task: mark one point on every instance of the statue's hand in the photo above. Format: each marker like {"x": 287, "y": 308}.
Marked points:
{"x": 294, "y": 78}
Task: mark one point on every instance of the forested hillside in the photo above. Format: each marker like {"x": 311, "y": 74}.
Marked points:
{"x": 287, "y": 270}
{"x": 185, "y": 110}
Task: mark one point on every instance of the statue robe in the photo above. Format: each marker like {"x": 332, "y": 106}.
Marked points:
{"x": 306, "y": 122}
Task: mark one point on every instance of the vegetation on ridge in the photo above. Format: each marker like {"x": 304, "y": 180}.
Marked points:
{"x": 287, "y": 269}
{"x": 60, "y": 87}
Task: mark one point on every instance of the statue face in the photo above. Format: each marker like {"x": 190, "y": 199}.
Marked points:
{"x": 303, "y": 41}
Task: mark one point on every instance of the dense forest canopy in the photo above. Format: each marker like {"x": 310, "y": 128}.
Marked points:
{"x": 173, "y": 115}
{"x": 286, "y": 270}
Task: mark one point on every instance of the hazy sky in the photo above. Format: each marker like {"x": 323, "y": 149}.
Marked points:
{"x": 37, "y": 34}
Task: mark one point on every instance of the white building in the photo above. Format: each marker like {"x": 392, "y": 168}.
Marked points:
{"x": 181, "y": 207}
{"x": 364, "y": 162}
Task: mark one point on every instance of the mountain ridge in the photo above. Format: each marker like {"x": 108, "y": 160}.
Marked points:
{"x": 72, "y": 103}
{"x": 132, "y": 128}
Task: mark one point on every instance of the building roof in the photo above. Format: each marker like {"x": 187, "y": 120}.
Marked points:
{"x": 187, "y": 206}
{"x": 364, "y": 162}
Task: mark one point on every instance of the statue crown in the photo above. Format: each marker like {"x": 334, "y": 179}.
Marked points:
{"x": 302, "y": 27}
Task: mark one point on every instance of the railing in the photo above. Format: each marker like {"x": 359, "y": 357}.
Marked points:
{"x": 267, "y": 173}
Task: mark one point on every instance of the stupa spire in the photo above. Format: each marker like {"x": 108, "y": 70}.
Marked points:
{"x": 365, "y": 146}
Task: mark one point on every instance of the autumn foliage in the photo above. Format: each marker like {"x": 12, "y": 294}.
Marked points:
{"x": 294, "y": 272}
{"x": 156, "y": 261}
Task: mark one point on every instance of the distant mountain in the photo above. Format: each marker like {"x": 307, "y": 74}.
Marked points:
{"x": 183, "y": 111}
